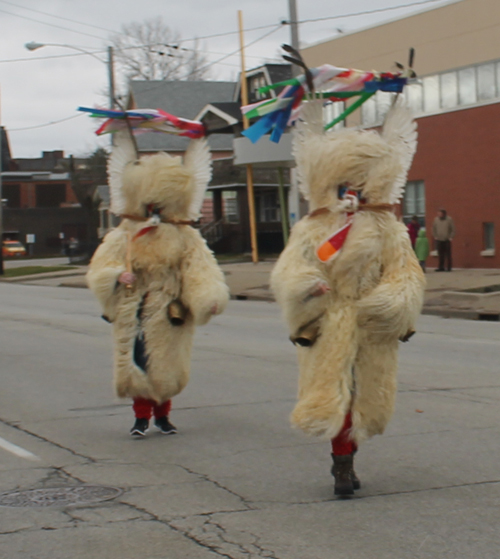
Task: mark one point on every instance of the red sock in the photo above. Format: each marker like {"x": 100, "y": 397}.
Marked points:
{"x": 143, "y": 408}
{"x": 163, "y": 409}
{"x": 342, "y": 444}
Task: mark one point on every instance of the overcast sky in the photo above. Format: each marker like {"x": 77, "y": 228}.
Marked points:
{"x": 47, "y": 85}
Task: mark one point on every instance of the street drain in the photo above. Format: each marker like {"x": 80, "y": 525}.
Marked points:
{"x": 59, "y": 496}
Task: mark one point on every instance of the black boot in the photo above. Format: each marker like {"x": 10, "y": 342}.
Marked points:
{"x": 356, "y": 484}
{"x": 342, "y": 471}
{"x": 355, "y": 479}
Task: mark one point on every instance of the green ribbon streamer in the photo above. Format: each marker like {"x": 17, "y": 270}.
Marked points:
{"x": 364, "y": 96}
{"x": 267, "y": 88}
{"x": 255, "y": 112}
{"x": 339, "y": 94}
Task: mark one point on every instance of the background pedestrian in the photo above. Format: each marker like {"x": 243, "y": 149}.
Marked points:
{"x": 443, "y": 231}
{"x": 422, "y": 247}
{"x": 413, "y": 229}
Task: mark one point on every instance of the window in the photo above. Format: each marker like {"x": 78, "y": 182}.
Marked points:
{"x": 269, "y": 208}
{"x": 383, "y": 101}
{"x": 414, "y": 201}
{"x": 12, "y": 193}
{"x": 369, "y": 112}
{"x": 256, "y": 82}
{"x": 449, "y": 90}
{"x": 445, "y": 91}
{"x": 230, "y": 208}
{"x": 50, "y": 195}
{"x": 467, "y": 92}
{"x": 431, "y": 93}
{"x": 413, "y": 94}
{"x": 486, "y": 81}
{"x": 489, "y": 236}
{"x": 331, "y": 111}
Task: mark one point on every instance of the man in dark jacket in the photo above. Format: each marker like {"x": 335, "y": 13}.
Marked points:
{"x": 443, "y": 231}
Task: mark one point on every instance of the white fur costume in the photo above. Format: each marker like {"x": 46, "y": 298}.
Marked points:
{"x": 171, "y": 262}
{"x": 375, "y": 282}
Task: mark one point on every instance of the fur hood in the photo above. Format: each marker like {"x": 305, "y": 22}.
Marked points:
{"x": 373, "y": 163}
{"x": 172, "y": 185}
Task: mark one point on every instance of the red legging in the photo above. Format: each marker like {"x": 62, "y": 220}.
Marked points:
{"x": 342, "y": 444}
{"x": 144, "y": 408}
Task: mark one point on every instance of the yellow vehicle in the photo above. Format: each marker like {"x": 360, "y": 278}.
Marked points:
{"x": 12, "y": 249}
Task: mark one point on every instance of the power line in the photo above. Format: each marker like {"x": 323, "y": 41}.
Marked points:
{"x": 43, "y": 125}
{"x": 234, "y": 32}
{"x": 218, "y": 61}
{"x": 367, "y": 12}
{"x": 51, "y": 24}
{"x": 246, "y": 46}
{"x": 57, "y": 17}
{"x": 31, "y": 59}
{"x": 103, "y": 51}
{"x": 115, "y": 32}
{"x": 95, "y": 52}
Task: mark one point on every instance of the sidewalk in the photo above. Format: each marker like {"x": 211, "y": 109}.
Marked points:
{"x": 248, "y": 281}
{"x": 251, "y": 282}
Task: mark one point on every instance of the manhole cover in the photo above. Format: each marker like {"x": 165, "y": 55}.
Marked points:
{"x": 59, "y": 496}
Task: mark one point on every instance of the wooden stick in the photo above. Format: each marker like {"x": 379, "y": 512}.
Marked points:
{"x": 250, "y": 191}
{"x": 128, "y": 257}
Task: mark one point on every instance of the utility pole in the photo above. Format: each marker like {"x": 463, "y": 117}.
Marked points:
{"x": 111, "y": 78}
{"x": 294, "y": 31}
{"x": 296, "y": 205}
{"x": 250, "y": 191}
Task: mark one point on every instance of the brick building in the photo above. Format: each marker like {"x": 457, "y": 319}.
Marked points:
{"x": 38, "y": 200}
{"x": 457, "y": 106}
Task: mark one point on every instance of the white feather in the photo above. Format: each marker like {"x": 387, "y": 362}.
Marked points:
{"x": 400, "y": 132}
{"x": 308, "y": 125}
{"x": 198, "y": 161}
{"x": 122, "y": 154}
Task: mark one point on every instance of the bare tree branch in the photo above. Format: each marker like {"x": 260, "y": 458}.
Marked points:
{"x": 150, "y": 50}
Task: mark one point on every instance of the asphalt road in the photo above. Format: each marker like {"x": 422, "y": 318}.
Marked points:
{"x": 237, "y": 481}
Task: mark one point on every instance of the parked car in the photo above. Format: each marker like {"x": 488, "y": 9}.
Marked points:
{"x": 13, "y": 248}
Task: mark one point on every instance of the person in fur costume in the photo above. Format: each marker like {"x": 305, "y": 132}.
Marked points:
{"x": 348, "y": 280}
{"x": 154, "y": 275}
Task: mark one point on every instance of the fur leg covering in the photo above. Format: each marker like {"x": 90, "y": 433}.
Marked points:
{"x": 326, "y": 380}
{"x": 375, "y": 372}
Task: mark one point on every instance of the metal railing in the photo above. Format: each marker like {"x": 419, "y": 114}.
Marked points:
{"x": 213, "y": 231}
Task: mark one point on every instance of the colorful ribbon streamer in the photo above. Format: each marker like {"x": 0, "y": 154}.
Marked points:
{"x": 330, "y": 82}
{"x": 142, "y": 120}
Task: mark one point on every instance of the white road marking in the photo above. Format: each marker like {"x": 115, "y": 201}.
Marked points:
{"x": 17, "y": 450}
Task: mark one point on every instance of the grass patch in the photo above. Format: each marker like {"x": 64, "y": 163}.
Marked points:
{"x": 228, "y": 258}
{"x": 30, "y": 270}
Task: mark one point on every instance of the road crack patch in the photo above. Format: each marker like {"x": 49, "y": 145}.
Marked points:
{"x": 45, "y": 440}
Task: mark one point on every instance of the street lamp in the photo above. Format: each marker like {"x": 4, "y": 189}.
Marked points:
{"x": 33, "y": 45}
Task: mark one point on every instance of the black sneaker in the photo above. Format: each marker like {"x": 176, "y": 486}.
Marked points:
{"x": 140, "y": 427}
{"x": 165, "y": 426}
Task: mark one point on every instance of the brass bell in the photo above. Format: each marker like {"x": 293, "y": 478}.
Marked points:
{"x": 307, "y": 334}
{"x": 176, "y": 313}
